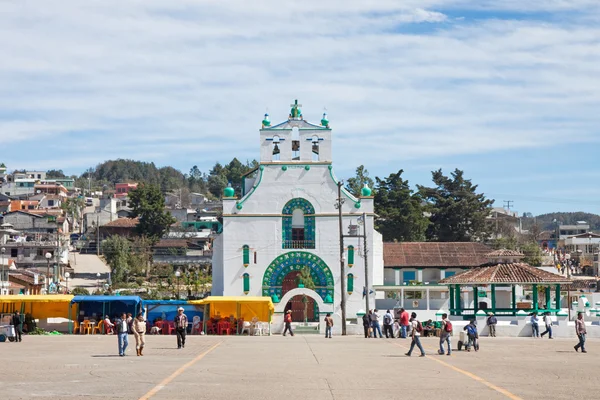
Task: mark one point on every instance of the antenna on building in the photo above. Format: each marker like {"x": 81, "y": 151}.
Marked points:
{"x": 507, "y": 204}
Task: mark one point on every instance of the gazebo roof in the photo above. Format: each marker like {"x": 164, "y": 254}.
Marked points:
{"x": 504, "y": 253}
{"x": 511, "y": 273}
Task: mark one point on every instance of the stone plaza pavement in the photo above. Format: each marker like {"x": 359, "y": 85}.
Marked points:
{"x": 300, "y": 367}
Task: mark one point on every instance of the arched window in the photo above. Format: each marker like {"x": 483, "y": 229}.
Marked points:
{"x": 276, "y": 149}
{"x": 298, "y": 225}
{"x": 315, "y": 148}
{"x": 350, "y": 256}
{"x": 246, "y": 283}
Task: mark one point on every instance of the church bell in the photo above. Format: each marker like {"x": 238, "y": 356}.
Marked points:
{"x": 276, "y": 149}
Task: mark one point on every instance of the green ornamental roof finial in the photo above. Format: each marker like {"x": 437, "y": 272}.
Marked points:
{"x": 324, "y": 120}
{"x": 266, "y": 122}
{"x": 296, "y": 112}
{"x": 366, "y": 191}
{"x": 228, "y": 191}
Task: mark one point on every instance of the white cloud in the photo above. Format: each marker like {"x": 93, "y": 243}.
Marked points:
{"x": 187, "y": 82}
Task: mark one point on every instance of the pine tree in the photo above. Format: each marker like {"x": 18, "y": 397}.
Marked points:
{"x": 148, "y": 204}
{"x": 400, "y": 210}
{"x": 457, "y": 212}
{"x": 356, "y": 183}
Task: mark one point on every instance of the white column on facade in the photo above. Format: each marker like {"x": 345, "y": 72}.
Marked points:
{"x": 420, "y": 275}
{"x": 442, "y": 274}
{"x": 397, "y": 277}
{"x": 427, "y": 291}
{"x": 402, "y": 297}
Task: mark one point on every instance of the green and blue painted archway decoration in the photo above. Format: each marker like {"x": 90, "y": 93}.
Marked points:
{"x": 295, "y": 261}
{"x": 309, "y": 224}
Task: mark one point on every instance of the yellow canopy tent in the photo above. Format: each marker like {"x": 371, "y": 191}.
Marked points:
{"x": 240, "y": 307}
{"x": 39, "y": 306}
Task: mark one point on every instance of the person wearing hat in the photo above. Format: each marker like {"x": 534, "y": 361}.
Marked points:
{"x": 288, "y": 323}
{"x": 491, "y": 323}
{"x": 181, "y": 323}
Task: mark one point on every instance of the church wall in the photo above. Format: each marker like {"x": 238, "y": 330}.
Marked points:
{"x": 217, "y": 267}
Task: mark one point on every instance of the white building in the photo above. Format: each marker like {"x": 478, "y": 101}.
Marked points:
{"x": 286, "y": 220}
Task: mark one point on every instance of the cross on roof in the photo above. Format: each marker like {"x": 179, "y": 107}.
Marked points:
{"x": 296, "y": 105}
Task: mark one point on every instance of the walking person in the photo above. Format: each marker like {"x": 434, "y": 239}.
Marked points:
{"x": 366, "y": 323}
{"x": 328, "y": 325}
{"x": 473, "y": 336}
{"x": 388, "y": 320}
{"x": 404, "y": 321}
{"x": 121, "y": 327}
{"x": 535, "y": 327}
{"x": 139, "y": 331}
{"x": 581, "y": 332}
{"x": 375, "y": 324}
{"x": 17, "y": 323}
{"x": 129, "y": 323}
{"x": 548, "y": 323}
{"x": 491, "y": 323}
{"x": 445, "y": 334}
{"x": 181, "y": 324}
{"x": 288, "y": 323}
{"x": 415, "y": 333}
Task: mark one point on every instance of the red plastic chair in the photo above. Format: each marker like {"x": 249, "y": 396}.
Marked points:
{"x": 159, "y": 325}
{"x": 224, "y": 326}
{"x": 168, "y": 327}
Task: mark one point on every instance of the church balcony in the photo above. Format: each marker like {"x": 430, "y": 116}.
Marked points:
{"x": 298, "y": 244}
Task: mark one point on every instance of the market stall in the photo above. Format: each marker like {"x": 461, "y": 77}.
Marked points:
{"x": 94, "y": 308}
{"x": 238, "y": 308}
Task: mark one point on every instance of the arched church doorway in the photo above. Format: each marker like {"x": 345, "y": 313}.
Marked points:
{"x": 304, "y": 308}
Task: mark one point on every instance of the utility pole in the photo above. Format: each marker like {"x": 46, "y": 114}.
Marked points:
{"x": 507, "y": 204}
{"x": 338, "y": 204}
{"x": 365, "y": 252}
{"x": 98, "y": 234}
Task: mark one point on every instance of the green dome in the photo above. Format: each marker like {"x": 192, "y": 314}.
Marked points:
{"x": 325, "y": 121}
{"x": 228, "y": 192}
{"x": 366, "y": 191}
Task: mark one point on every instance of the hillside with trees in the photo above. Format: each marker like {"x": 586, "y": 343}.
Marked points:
{"x": 105, "y": 175}
{"x": 546, "y": 221}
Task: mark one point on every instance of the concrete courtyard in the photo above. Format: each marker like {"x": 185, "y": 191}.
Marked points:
{"x": 300, "y": 367}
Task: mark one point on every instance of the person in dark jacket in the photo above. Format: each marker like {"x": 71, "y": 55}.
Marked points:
{"x": 122, "y": 328}
{"x": 491, "y": 323}
{"x": 366, "y": 323}
{"x": 18, "y": 325}
{"x": 181, "y": 323}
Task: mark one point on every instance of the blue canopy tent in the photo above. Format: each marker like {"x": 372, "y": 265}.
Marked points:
{"x": 113, "y": 306}
{"x": 167, "y": 309}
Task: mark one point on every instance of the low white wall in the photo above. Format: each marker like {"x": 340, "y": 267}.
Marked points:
{"x": 520, "y": 326}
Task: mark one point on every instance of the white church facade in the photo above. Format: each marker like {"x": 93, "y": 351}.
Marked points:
{"x": 286, "y": 225}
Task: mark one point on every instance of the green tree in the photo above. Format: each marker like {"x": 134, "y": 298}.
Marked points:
{"x": 116, "y": 250}
{"x": 457, "y": 212}
{"x": 356, "y": 183}
{"x": 73, "y": 208}
{"x": 55, "y": 173}
{"x": 400, "y": 210}
{"x": 148, "y": 204}
{"x": 305, "y": 278}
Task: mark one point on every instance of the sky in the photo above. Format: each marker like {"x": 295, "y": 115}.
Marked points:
{"x": 507, "y": 90}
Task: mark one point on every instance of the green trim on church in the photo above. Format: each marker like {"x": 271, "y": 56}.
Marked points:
{"x": 295, "y": 261}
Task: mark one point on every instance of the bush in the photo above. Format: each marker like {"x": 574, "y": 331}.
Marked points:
{"x": 80, "y": 291}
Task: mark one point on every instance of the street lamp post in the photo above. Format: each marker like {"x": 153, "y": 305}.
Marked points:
{"x": 2, "y": 251}
{"x": 98, "y": 277}
{"x": 67, "y": 276}
{"x": 48, "y": 256}
{"x": 177, "y": 274}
